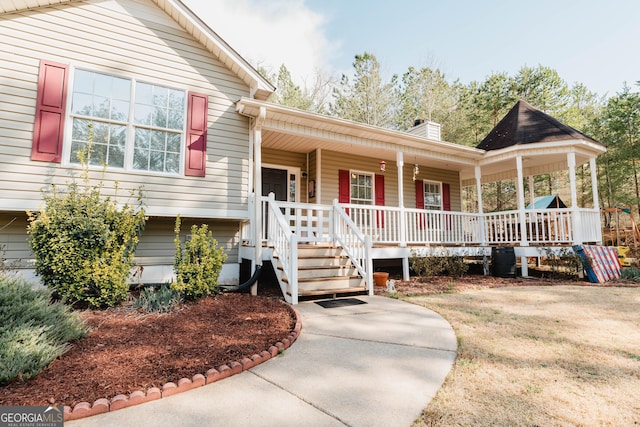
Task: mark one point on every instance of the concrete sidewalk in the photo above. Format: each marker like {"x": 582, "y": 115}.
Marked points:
{"x": 373, "y": 364}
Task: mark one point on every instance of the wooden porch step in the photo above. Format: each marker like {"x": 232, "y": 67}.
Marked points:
{"x": 334, "y": 292}
{"x": 311, "y": 284}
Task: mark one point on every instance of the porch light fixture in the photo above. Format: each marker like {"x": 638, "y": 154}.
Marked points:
{"x": 416, "y": 170}
{"x": 383, "y": 166}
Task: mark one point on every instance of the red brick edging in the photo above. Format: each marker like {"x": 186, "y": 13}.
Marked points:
{"x": 86, "y": 409}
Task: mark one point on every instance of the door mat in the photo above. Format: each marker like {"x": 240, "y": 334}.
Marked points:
{"x": 343, "y": 302}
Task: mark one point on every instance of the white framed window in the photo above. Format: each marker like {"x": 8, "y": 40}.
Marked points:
{"x": 432, "y": 195}
{"x": 133, "y": 125}
{"x": 362, "y": 188}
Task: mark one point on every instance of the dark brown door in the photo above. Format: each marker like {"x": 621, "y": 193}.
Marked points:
{"x": 275, "y": 181}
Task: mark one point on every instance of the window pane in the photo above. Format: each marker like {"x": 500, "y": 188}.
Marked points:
{"x": 81, "y": 103}
{"x": 160, "y": 117}
{"x": 144, "y": 93}
{"x": 141, "y": 159}
{"x": 102, "y": 85}
{"x": 156, "y": 161}
{"x": 157, "y": 140}
{"x": 143, "y": 136}
{"x": 120, "y": 110}
{"x": 83, "y": 81}
{"x": 143, "y": 114}
{"x": 173, "y": 163}
{"x": 173, "y": 142}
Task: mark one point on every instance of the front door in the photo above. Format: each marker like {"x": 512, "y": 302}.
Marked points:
{"x": 275, "y": 181}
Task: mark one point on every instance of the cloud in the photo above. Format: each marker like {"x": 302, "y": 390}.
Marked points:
{"x": 270, "y": 34}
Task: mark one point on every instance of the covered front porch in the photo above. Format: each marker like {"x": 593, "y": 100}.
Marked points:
{"x": 373, "y": 193}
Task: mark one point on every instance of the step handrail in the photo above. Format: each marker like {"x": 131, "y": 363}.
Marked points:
{"x": 285, "y": 243}
{"x": 356, "y": 245}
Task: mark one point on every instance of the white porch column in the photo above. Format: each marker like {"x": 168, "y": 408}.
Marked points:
{"x": 257, "y": 189}
{"x": 403, "y": 223}
{"x": 522, "y": 214}
{"x": 594, "y": 192}
{"x": 576, "y": 220}
{"x": 481, "y": 225}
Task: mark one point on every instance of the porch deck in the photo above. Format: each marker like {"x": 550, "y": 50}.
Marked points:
{"x": 381, "y": 232}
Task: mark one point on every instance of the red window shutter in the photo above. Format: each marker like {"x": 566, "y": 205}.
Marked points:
{"x": 419, "y": 194}
{"x": 344, "y": 186}
{"x": 379, "y": 183}
{"x": 50, "y": 111}
{"x": 197, "y": 122}
{"x": 446, "y": 197}
{"x": 422, "y": 220}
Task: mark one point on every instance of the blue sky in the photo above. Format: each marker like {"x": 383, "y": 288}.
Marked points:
{"x": 591, "y": 42}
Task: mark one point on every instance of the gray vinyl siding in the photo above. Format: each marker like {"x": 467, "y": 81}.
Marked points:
{"x": 156, "y": 245}
{"x": 332, "y": 162}
{"x": 284, "y": 158}
{"x": 126, "y": 38}
{"x": 14, "y": 247}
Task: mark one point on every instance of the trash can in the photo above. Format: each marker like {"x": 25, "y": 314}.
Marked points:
{"x": 503, "y": 261}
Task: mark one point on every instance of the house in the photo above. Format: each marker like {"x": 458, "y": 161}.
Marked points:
{"x": 176, "y": 110}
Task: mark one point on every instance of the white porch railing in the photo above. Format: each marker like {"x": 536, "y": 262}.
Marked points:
{"x": 402, "y": 226}
{"x": 355, "y": 243}
{"x": 285, "y": 243}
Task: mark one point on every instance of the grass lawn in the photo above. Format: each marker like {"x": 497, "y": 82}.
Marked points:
{"x": 540, "y": 356}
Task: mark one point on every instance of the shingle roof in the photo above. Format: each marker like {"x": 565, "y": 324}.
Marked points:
{"x": 524, "y": 124}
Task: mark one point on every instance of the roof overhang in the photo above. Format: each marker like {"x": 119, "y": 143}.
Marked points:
{"x": 193, "y": 25}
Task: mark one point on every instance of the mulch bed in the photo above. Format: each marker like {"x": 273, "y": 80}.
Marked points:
{"x": 127, "y": 350}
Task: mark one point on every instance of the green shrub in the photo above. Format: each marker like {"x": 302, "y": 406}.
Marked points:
{"x": 34, "y": 331}
{"x": 455, "y": 266}
{"x": 427, "y": 266}
{"x": 84, "y": 244}
{"x": 445, "y": 263}
{"x": 562, "y": 260}
{"x": 160, "y": 300}
{"x": 198, "y": 264}
{"x": 631, "y": 273}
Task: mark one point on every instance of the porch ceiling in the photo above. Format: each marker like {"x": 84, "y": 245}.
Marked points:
{"x": 298, "y": 143}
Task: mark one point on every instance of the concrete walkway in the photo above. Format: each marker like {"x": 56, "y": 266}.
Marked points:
{"x": 373, "y": 364}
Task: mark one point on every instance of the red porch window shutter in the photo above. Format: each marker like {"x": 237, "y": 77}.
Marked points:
{"x": 446, "y": 197}
{"x": 197, "y": 119}
{"x": 344, "y": 186}
{"x": 379, "y": 199}
{"x": 446, "y": 203}
{"x": 419, "y": 195}
{"x": 420, "y": 203}
{"x": 51, "y": 105}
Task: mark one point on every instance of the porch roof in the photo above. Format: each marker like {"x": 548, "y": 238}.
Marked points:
{"x": 293, "y": 130}
{"x": 524, "y": 124}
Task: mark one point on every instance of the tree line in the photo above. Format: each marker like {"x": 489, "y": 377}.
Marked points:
{"x": 467, "y": 112}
